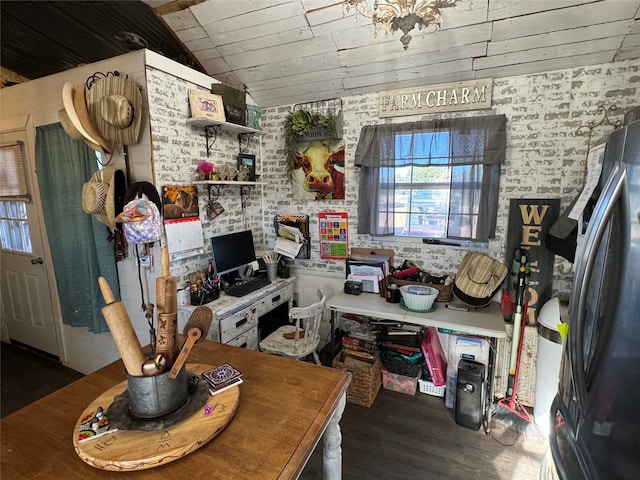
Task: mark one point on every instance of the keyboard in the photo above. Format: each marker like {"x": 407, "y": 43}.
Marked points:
{"x": 245, "y": 287}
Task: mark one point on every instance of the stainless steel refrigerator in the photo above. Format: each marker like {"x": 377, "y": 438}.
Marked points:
{"x": 595, "y": 416}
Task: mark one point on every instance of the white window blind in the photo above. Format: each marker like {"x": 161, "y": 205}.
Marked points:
{"x": 13, "y": 183}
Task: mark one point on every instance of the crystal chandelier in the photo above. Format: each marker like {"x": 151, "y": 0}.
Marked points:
{"x": 392, "y": 15}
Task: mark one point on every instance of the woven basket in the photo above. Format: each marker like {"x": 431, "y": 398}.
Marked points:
{"x": 445, "y": 291}
{"x": 365, "y": 381}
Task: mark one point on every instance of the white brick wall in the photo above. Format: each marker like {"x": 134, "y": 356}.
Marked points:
{"x": 544, "y": 159}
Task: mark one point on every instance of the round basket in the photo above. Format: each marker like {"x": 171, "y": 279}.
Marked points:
{"x": 418, "y": 297}
{"x": 445, "y": 292}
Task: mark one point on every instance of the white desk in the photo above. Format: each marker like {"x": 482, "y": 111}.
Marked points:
{"x": 235, "y": 319}
{"x": 485, "y": 322}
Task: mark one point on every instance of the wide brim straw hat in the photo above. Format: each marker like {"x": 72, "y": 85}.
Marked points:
{"x": 75, "y": 104}
{"x": 98, "y": 196}
{"x": 73, "y": 132}
{"x": 115, "y": 105}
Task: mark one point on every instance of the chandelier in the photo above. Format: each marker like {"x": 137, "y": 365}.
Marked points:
{"x": 404, "y": 15}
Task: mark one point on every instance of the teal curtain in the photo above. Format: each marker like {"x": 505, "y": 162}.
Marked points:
{"x": 79, "y": 244}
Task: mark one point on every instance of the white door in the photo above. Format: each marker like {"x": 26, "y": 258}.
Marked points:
{"x": 27, "y": 301}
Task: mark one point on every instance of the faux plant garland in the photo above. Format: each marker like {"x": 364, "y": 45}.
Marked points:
{"x": 296, "y": 125}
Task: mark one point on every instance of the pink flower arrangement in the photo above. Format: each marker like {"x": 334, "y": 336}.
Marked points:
{"x": 206, "y": 168}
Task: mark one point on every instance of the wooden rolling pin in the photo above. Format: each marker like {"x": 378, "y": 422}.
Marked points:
{"x": 167, "y": 307}
{"x": 122, "y": 331}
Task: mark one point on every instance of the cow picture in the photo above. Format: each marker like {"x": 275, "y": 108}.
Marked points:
{"x": 319, "y": 171}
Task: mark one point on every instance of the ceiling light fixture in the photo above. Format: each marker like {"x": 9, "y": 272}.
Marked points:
{"x": 405, "y": 15}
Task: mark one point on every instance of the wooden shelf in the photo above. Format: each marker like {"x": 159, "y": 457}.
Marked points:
{"x": 232, "y": 127}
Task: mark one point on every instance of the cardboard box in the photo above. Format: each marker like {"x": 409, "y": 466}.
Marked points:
{"x": 399, "y": 383}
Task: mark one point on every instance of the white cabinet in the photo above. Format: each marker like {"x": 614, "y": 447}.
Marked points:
{"x": 235, "y": 319}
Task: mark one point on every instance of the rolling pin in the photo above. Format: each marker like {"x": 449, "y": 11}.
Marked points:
{"x": 122, "y": 331}
{"x": 167, "y": 307}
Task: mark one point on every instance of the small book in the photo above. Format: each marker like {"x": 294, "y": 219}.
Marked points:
{"x": 221, "y": 374}
{"x": 226, "y": 386}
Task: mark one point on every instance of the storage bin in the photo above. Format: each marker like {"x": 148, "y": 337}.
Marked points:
{"x": 425, "y": 386}
{"x": 365, "y": 380}
{"x": 400, "y": 383}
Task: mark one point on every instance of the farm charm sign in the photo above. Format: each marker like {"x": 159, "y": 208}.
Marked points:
{"x": 449, "y": 97}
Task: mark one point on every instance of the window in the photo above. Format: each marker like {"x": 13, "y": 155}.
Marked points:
{"x": 436, "y": 180}
{"x": 14, "y": 226}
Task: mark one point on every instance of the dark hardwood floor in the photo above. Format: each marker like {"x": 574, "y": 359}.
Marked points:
{"x": 27, "y": 376}
{"x": 399, "y": 437}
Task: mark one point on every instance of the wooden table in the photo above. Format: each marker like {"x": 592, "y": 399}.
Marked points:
{"x": 285, "y": 408}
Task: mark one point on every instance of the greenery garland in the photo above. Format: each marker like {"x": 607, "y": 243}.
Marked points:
{"x": 296, "y": 125}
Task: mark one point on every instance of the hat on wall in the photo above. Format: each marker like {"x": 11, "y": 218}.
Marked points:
{"x": 73, "y": 132}
{"x": 115, "y": 105}
{"x": 99, "y": 195}
{"x": 75, "y": 105}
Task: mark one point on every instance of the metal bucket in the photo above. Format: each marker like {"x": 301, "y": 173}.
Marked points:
{"x": 151, "y": 397}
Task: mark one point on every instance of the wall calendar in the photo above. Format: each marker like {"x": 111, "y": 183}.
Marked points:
{"x": 333, "y": 235}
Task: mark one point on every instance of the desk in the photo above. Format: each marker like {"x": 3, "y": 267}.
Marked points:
{"x": 485, "y": 322}
{"x": 235, "y": 319}
{"x": 285, "y": 408}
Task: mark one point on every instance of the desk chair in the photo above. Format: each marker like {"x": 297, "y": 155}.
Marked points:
{"x": 302, "y": 337}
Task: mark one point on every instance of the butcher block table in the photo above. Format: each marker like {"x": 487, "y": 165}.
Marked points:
{"x": 285, "y": 408}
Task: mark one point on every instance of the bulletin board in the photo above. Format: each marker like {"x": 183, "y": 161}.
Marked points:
{"x": 333, "y": 235}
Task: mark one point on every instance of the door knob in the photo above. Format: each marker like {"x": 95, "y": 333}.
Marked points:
{"x": 37, "y": 260}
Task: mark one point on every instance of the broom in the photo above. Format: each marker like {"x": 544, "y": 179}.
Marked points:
{"x": 508, "y": 409}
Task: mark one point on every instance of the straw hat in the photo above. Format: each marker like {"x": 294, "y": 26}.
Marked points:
{"x": 98, "y": 196}
{"x": 73, "y": 132}
{"x": 75, "y": 105}
{"x": 115, "y": 105}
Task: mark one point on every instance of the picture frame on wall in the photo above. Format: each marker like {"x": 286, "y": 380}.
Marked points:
{"x": 206, "y": 105}
{"x": 247, "y": 160}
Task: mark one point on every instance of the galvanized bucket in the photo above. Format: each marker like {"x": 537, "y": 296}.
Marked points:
{"x": 151, "y": 397}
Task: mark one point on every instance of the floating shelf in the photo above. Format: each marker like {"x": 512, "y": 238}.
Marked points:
{"x": 225, "y": 182}
{"x": 232, "y": 127}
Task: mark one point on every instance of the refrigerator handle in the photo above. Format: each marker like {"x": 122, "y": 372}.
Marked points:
{"x": 582, "y": 276}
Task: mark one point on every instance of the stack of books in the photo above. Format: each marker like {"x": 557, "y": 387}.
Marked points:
{"x": 222, "y": 377}
{"x": 363, "y": 348}
{"x": 400, "y": 349}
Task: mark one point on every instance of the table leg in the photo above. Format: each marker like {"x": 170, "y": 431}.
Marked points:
{"x": 332, "y": 453}
{"x": 493, "y": 345}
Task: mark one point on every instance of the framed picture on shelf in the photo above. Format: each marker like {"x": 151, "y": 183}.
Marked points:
{"x": 247, "y": 165}
{"x": 206, "y": 105}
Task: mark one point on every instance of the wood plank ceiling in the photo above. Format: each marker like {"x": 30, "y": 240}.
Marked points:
{"x": 292, "y": 51}
{"x": 289, "y": 51}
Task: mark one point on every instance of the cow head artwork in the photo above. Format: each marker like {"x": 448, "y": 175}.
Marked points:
{"x": 318, "y": 162}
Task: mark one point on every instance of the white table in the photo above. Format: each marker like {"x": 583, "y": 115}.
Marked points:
{"x": 485, "y": 322}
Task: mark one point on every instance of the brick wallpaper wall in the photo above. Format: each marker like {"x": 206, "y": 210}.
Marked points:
{"x": 545, "y": 158}
{"x": 177, "y": 149}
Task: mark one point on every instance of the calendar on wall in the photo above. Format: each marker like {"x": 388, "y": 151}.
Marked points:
{"x": 333, "y": 235}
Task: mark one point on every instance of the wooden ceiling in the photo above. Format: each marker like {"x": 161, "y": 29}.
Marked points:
{"x": 292, "y": 51}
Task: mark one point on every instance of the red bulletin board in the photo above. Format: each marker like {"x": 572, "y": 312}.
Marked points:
{"x": 333, "y": 235}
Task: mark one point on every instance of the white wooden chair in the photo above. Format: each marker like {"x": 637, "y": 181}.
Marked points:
{"x": 302, "y": 337}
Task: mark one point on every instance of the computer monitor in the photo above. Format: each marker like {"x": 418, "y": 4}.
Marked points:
{"x": 232, "y": 251}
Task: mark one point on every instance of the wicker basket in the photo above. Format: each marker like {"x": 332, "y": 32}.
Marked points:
{"x": 445, "y": 291}
{"x": 365, "y": 380}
